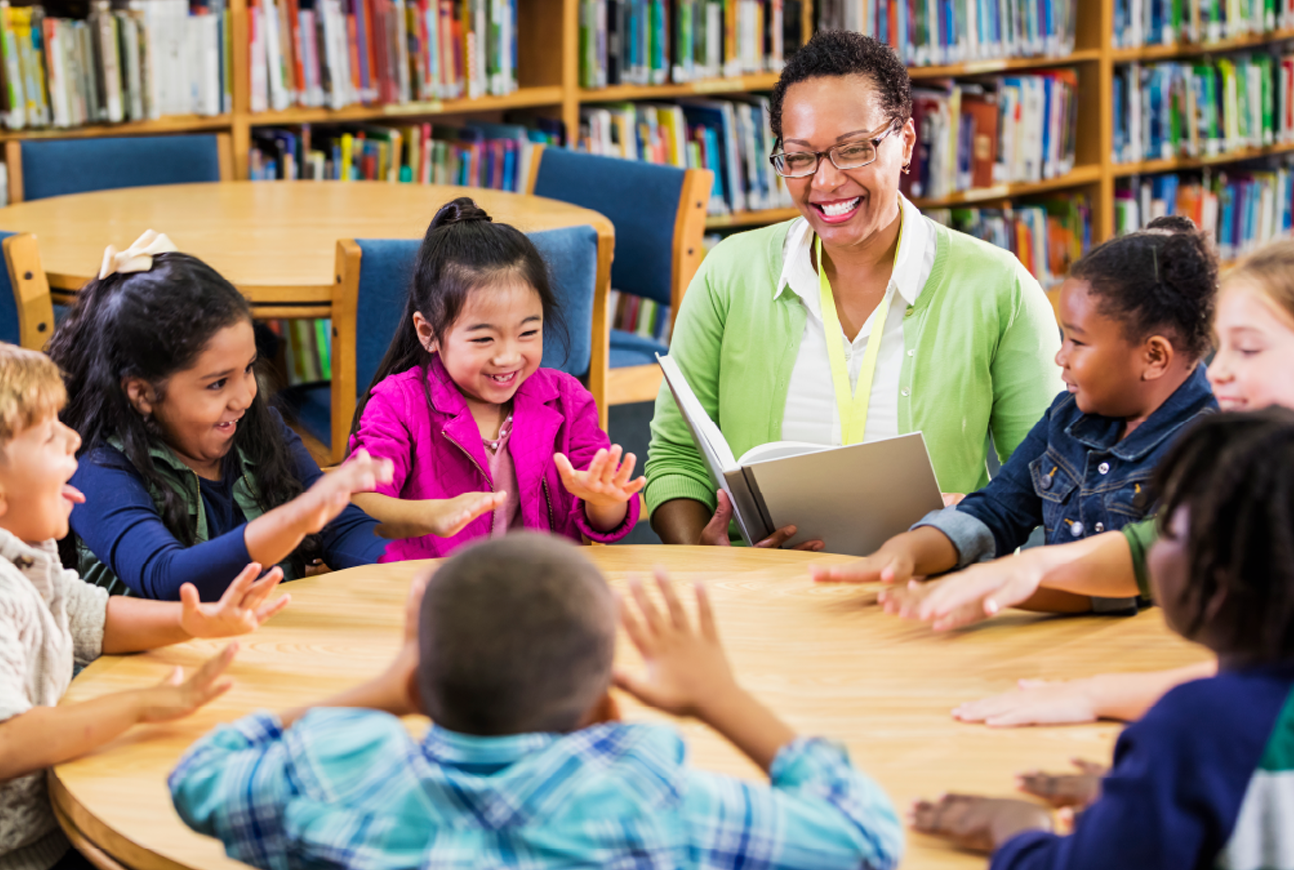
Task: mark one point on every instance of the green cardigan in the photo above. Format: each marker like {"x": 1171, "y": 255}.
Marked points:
{"x": 981, "y": 342}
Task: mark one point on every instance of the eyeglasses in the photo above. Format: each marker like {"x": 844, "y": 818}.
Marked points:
{"x": 850, "y": 155}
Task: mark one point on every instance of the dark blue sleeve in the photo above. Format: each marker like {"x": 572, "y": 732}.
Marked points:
{"x": 1179, "y": 776}
{"x": 120, "y": 525}
{"x": 1009, "y": 506}
{"x": 351, "y": 538}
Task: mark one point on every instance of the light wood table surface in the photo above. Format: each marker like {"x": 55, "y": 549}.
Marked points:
{"x": 274, "y": 240}
{"x": 824, "y": 657}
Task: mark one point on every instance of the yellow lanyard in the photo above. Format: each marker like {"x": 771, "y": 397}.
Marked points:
{"x": 853, "y": 408}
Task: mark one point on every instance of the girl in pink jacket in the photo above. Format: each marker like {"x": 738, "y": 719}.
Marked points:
{"x": 483, "y": 440}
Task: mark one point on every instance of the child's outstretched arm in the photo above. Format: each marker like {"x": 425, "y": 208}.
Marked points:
{"x": 413, "y": 518}
{"x": 916, "y": 553}
{"x": 42, "y": 737}
{"x": 135, "y": 624}
{"x": 605, "y": 486}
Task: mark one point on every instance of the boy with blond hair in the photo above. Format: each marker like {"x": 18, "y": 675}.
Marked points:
{"x": 509, "y": 651}
{"x": 51, "y": 619}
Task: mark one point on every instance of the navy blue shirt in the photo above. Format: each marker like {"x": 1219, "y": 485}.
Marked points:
{"x": 120, "y": 524}
{"x": 1180, "y": 777}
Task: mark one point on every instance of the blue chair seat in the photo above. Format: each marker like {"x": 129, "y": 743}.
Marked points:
{"x": 628, "y": 349}
{"x": 55, "y": 167}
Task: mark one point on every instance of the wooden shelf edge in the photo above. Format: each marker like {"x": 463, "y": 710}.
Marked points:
{"x": 1188, "y": 49}
{"x": 1005, "y": 64}
{"x": 750, "y": 218}
{"x": 1172, "y": 164}
{"x": 523, "y": 98}
{"x": 704, "y": 87}
{"x": 168, "y": 124}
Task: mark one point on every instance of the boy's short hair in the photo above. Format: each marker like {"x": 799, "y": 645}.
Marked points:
{"x": 516, "y": 635}
{"x": 30, "y": 388}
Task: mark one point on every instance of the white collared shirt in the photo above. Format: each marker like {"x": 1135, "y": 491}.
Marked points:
{"x": 811, "y": 413}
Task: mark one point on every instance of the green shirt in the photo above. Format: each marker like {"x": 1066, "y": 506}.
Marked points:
{"x": 981, "y": 344}
{"x": 1140, "y": 536}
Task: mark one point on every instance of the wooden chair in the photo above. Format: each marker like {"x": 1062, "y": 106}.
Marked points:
{"x": 26, "y": 312}
{"x": 659, "y": 217}
{"x": 40, "y": 168}
{"x": 373, "y": 277}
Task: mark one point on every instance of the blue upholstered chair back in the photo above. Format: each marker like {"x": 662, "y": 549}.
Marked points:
{"x": 55, "y": 167}
{"x": 9, "y": 329}
{"x": 386, "y": 269}
{"x": 640, "y": 199}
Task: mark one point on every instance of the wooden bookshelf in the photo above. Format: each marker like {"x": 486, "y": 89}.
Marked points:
{"x": 1176, "y": 164}
{"x": 1193, "y": 49}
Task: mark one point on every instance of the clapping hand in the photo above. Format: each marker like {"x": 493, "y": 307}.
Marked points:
{"x": 317, "y": 506}
{"x": 606, "y": 481}
{"x": 242, "y": 609}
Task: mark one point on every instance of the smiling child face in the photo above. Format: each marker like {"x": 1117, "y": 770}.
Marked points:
{"x": 1255, "y": 358}
{"x": 1099, "y": 364}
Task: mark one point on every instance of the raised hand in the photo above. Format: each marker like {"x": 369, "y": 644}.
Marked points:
{"x": 1034, "y": 702}
{"x": 606, "y": 481}
{"x": 715, "y": 533}
{"x": 175, "y": 697}
{"x": 317, "y": 506}
{"x": 1066, "y": 790}
{"x": 242, "y": 608}
{"x": 978, "y": 823}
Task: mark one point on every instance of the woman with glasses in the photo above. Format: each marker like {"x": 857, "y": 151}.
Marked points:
{"x": 859, "y": 320}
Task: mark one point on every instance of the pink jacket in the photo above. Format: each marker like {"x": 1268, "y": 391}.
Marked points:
{"x": 437, "y": 452}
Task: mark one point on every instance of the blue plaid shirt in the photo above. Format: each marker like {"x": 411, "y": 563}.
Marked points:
{"x": 350, "y": 788}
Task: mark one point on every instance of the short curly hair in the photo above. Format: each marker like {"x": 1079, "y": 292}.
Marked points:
{"x": 846, "y": 53}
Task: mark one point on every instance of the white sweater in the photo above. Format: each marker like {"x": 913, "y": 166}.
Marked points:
{"x": 49, "y": 617}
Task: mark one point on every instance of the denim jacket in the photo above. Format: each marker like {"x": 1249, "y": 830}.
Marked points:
{"x": 1071, "y": 475}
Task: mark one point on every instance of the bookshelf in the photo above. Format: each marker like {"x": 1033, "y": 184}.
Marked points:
{"x": 549, "y": 84}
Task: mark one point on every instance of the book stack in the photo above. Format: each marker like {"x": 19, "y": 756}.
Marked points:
{"x": 1242, "y": 210}
{"x": 338, "y": 53}
{"x": 146, "y": 60}
{"x": 1164, "y": 22}
{"x": 641, "y": 316}
{"x": 651, "y": 42}
{"x": 1202, "y": 109}
{"x": 1047, "y": 237}
{"x": 496, "y": 156}
{"x": 1012, "y": 129}
{"x": 936, "y": 32}
{"x": 730, "y": 137}
{"x": 307, "y": 349}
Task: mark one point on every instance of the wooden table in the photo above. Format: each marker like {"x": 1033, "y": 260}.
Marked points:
{"x": 823, "y": 656}
{"x": 274, "y": 240}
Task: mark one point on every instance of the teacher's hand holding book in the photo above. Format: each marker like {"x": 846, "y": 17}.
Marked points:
{"x": 715, "y": 533}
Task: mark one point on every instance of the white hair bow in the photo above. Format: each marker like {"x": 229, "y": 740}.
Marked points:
{"x": 138, "y": 257}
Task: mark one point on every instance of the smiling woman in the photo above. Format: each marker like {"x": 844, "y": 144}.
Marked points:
{"x": 862, "y": 310}
{"x": 188, "y": 474}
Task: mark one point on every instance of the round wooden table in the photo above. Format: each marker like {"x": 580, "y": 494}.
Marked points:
{"x": 824, "y": 657}
{"x": 274, "y": 240}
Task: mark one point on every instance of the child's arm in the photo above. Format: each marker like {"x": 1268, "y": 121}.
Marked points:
{"x": 135, "y": 624}
{"x": 917, "y": 553}
{"x": 1126, "y": 697}
{"x": 604, "y": 487}
{"x": 42, "y": 737}
{"x": 413, "y": 518}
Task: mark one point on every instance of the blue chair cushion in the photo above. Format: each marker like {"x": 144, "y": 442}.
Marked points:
{"x": 640, "y": 199}
{"x": 55, "y": 167}
{"x": 572, "y": 257}
{"x": 628, "y": 349}
{"x": 9, "y": 323}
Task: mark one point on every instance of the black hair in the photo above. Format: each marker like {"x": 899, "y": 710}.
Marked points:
{"x": 150, "y": 325}
{"x": 1234, "y": 473}
{"x": 1161, "y": 279}
{"x": 462, "y": 251}
{"x": 846, "y": 53}
{"x": 516, "y": 635}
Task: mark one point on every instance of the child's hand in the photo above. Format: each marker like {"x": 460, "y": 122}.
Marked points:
{"x": 686, "y": 666}
{"x": 176, "y": 697}
{"x": 883, "y": 566}
{"x": 978, "y": 823}
{"x": 397, "y": 684}
{"x": 1064, "y": 790}
{"x": 606, "y": 481}
{"x": 980, "y": 591}
{"x": 1034, "y": 702}
{"x": 317, "y": 506}
{"x": 447, "y": 517}
{"x": 240, "y": 610}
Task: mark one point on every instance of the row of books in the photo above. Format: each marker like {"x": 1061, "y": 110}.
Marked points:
{"x": 338, "y": 53}
{"x": 497, "y": 156}
{"x": 1165, "y": 22}
{"x": 730, "y": 137}
{"x": 1204, "y": 108}
{"x": 1048, "y": 237}
{"x": 148, "y": 59}
{"x": 651, "y": 42}
{"x": 641, "y": 316}
{"x": 935, "y": 32}
{"x": 1242, "y": 210}
{"x": 307, "y": 349}
{"x": 1010, "y": 129}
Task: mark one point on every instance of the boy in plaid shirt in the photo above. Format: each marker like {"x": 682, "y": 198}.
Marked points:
{"x": 509, "y": 651}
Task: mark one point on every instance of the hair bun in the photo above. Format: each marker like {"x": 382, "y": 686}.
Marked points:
{"x": 459, "y": 211}
{"x": 1172, "y": 223}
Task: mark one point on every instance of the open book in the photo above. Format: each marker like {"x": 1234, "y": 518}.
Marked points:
{"x": 852, "y": 498}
